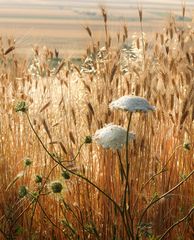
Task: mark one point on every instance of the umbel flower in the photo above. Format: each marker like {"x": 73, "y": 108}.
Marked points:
{"x": 112, "y": 136}
{"x": 132, "y": 103}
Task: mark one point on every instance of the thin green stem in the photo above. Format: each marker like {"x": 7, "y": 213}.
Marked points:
{"x": 41, "y": 207}
{"x": 153, "y": 176}
{"x": 162, "y": 196}
{"x": 127, "y": 161}
{"x": 3, "y": 233}
{"x": 15, "y": 220}
{"x": 37, "y": 198}
{"x": 176, "y": 223}
{"x": 143, "y": 186}
{"x": 127, "y": 189}
{"x": 121, "y": 166}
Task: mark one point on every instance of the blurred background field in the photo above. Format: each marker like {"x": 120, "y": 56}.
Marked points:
{"x": 60, "y": 24}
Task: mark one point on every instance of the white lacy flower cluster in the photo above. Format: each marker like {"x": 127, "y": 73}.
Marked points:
{"x": 132, "y": 104}
{"x": 114, "y": 136}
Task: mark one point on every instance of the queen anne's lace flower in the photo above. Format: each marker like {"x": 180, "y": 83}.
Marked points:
{"x": 132, "y": 104}
{"x": 112, "y": 136}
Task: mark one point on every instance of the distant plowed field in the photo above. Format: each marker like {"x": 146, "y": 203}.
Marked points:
{"x": 60, "y": 24}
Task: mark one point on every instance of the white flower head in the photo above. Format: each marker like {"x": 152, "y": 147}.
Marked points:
{"x": 112, "y": 136}
{"x": 132, "y": 104}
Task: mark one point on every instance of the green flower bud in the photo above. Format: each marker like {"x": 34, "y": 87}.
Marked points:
{"x": 88, "y": 139}
{"x": 27, "y": 162}
{"x": 56, "y": 187}
{"x": 187, "y": 146}
{"x": 21, "y": 107}
{"x": 38, "y": 179}
{"x": 23, "y": 191}
{"x": 65, "y": 175}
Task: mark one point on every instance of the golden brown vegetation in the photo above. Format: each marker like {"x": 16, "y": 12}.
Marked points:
{"x": 70, "y": 102}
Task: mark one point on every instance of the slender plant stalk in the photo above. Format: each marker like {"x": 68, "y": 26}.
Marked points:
{"x": 176, "y": 223}
{"x": 126, "y": 206}
{"x": 18, "y": 217}
{"x": 157, "y": 199}
{"x": 121, "y": 166}
{"x": 49, "y": 217}
{"x": 3, "y": 233}
{"x": 142, "y": 38}
{"x": 153, "y": 176}
{"x": 37, "y": 198}
{"x": 74, "y": 214}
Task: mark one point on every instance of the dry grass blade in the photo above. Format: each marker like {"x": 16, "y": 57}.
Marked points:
{"x": 104, "y": 14}
{"x": 10, "y": 49}
{"x": 90, "y": 108}
{"x": 20, "y": 175}
{"x": 72, "y": 137}
{"x": 45, "y": 106}
{"x": 63, "y": 148}
{"x": 125, "y": 31}
{"x": 46, "y": 129}
{"x": 74, "y": 117}
{"x": 60, "y": 66}
{"x": 183, "y": 8}
{"x": 140, "y": 14}
{"x": 77, "y": 69}
{"x": 190, "y": 68}
{"x": 87, "y": 86}
{"x": 88, "y": 31}
{"x": 54, "y": 142}
{"x": 188, "y": 102}
{"x": 188, "y": 58}
{"x": 113, "y": 71}
{"x": 183, "y": 117}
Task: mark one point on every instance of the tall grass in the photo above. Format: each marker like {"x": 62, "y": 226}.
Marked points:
{"x": 67, "y": 103}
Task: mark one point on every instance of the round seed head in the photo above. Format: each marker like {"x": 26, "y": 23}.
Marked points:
{"x": 27, "y": 162}
{"x": 23, "y": 191}
{"x": 187, "y": 146}
{"x": 88, "y": 139}
{"x": 56, "y": 187}
{"x": 38, "y": 179}
{"x": 65, "y": 175}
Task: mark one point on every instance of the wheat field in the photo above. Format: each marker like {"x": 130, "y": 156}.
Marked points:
{"x": 58, "y": 183}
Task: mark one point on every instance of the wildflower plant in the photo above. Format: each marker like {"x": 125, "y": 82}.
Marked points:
{"x": 130, "y": 207}
{"x": 113, "y": 137}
